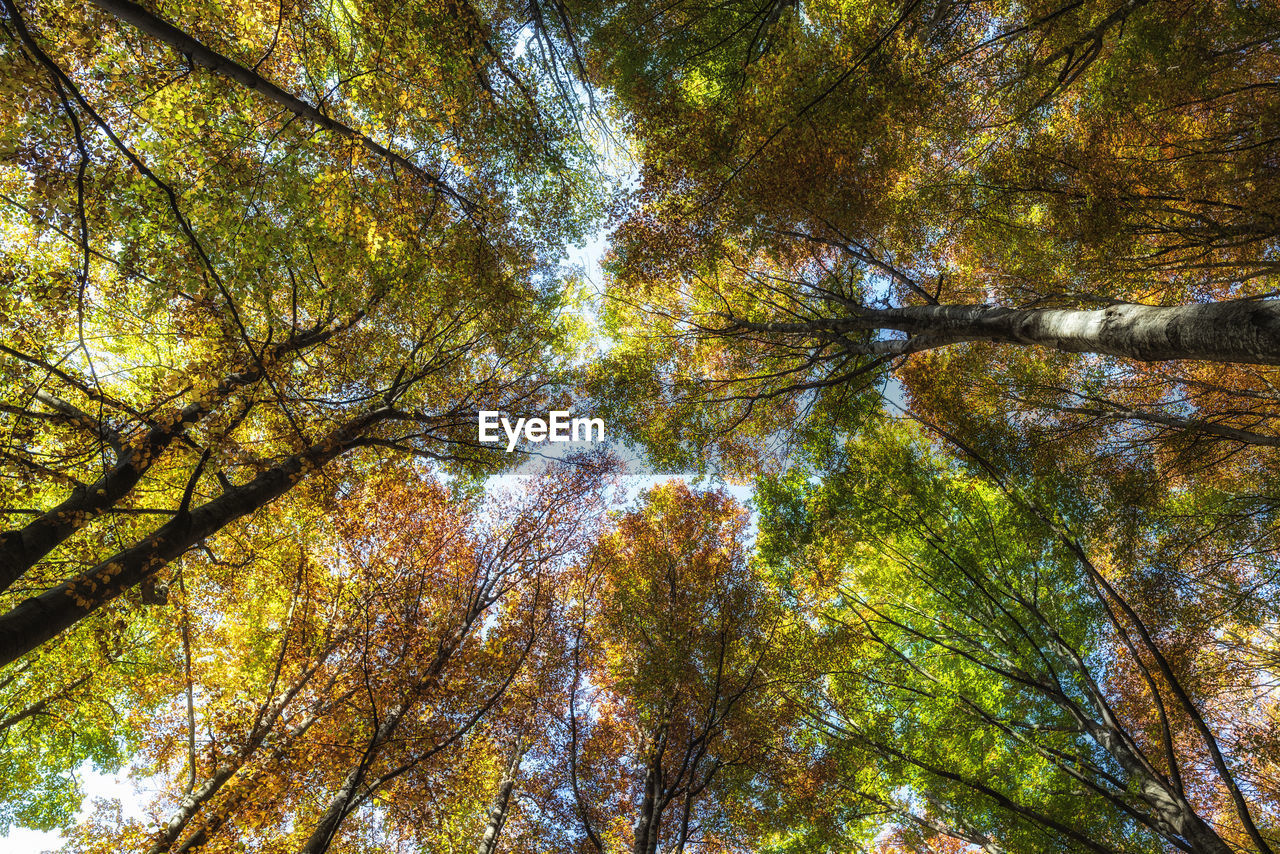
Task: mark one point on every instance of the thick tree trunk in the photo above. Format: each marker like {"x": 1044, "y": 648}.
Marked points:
{"x": 646, "y": 831}
{"x": 652, "y": 798}
{"x": 502, "y": 801}
{"x": 1174, "y": 816}
{"x": 1246, "y": 331}
{"x": 22, "y": 548}
{"x": 36, "y": 620}
{"x": 1243, "y": 331}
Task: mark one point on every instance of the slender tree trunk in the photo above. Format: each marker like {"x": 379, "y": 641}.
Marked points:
{"x": 951, "y": 825}
{"x": 40, "y": 705}
{"x": 1242, "y": 331}
{"x": 192, "y": 803}
{"x": 502, "y": 800}
{"x": 200, "y": 796}
{"x": 343, "y": 799}
{"x": 200, "y": 54}
{"x": 211, "y": 824}
{"x": 346, "y": 798}
{"x": 1113, "y": 411}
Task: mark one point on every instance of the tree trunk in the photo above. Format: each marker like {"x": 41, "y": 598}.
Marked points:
{"x": 40, "y": 705}
{"x": 1242, "y": 331}
{"x": 36, "y": 620}
{"x": 646, "y": 831}
{"x": 652, "y": 801}
{"x": 22, "y": 548}
{"x": 347, "y": 797}
{"x": 1174, "y": 816}
{"x": 502, "y": 800}
{"x": 200, "y": 54}
{"x": 1113, "y": 411}
{"x": 343, "y": 800}
{"x": 200, "y": 796}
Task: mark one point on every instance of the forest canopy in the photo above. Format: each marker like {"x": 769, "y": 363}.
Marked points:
{"x": 935, "y": 343}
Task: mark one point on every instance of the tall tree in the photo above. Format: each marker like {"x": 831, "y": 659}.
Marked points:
{"x": 243, "y": 251}
{"x": 995, "y": 679}
{"x": 829, "y": 190}
{"x": 672, "y": 708}
{"x": 357, "y": 687}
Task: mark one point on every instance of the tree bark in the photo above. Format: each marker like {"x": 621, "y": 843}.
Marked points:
{"x": 347, "y": 797}
{"x": 36, "y": 620}
{"x": 502, "y": 800}
{"x": 343, "y": 800}
{"x": 1114, "y": 411}
{"x": 40, "y": 705}
{"x": 201, "y": 795}
{"x": 1241, "y": 331}
{"x": 653, "y": 800}
{"x": 200, "y": 54}
{"x": 22, "y": 548}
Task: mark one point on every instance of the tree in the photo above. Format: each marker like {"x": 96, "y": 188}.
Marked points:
{"x": 673, "y": 704}
{"x": 831, "y": 190}
{"x": 994, "y": 681}
{"x": 365, "y": 695}
{"x": 212, "y": 300}
{"x": 264, "y": 264}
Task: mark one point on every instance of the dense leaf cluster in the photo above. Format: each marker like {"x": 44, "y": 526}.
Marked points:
{"x": 978, "y": 296}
